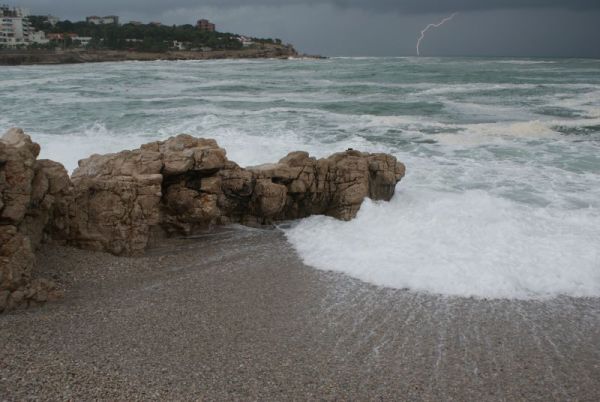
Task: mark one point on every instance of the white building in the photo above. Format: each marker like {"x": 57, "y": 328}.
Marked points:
{"x": 84, "y": 41}
{"x": 38, "y": 37}
{"x": 180, "y": 45}
{"x": 108, "y": 20}
{"x": 15, "y": 29}
{"x": 14, "y": 26}
{"x": 246, "y": 42}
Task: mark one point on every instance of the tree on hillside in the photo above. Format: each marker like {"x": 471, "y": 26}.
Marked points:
{"x": 144, "y": 37}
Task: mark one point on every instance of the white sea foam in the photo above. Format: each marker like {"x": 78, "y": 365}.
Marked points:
{"x": 497, "y": 202}
{"x": 473, "y": 87}
{"x": 526, "y": 62}
{"x": 587, "y": 105}
{"x": 488, "y": 112}
{"x": 486, "y": 133}
{"x": 246, "y": 148}
{"x": 494, "y": 133}
{"x": 460, "y": 244}
{"x": 95, "y": 139}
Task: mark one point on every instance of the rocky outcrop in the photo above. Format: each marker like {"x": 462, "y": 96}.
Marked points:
{"x": 185, "y": 184}
{"x": 34, "y": 200}
{"x": 120, "y": 199}
{"x": 334, "y": 186}
{"x": 120, "y": 202}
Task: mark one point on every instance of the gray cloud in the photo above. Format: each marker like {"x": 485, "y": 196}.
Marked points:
{"x": 409, "y": 6}
{"x": 375, "y": 27}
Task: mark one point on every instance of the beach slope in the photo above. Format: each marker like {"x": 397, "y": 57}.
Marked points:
{"x": 235, "y": 314}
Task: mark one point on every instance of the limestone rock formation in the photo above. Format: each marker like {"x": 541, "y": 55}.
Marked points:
{"x": 34, "y": 200}
{"x": 184, "y": 184}
{"x": 120, "y": 202}
{"x": 334, "y": 186}
{"x": 120, "y": 198}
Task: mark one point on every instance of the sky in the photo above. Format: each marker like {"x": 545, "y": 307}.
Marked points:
{"x": 521, "y": 28}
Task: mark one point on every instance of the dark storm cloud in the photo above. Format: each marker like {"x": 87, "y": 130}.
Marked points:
{"x": 407, "y": 6}
{"x": 424, "y": 6}
{"x": 373, "y": 27}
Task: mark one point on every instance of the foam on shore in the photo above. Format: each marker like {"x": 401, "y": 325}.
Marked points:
{"x": 459, "y": 244}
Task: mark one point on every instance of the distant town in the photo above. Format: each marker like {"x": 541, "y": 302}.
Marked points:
{"x": 20, "y": 30}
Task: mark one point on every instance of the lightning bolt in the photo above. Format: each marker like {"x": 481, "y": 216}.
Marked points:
{"x": 428, "y": 27}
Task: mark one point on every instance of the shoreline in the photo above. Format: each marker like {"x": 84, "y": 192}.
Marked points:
{"x": 40, "y": 57}
{"x": 194, "y": 318}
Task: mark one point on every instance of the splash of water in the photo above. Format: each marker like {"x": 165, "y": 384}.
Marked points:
{"x": 428, "y": 27}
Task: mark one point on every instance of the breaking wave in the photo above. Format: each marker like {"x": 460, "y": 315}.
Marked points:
{"x": 502, "y": 195}
{"x": 469, "y": 244}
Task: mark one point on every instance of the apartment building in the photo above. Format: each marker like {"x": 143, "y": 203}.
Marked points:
{"x": 16, "y": 30}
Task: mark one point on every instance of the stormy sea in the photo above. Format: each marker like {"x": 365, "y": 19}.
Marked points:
{"x": 479, "y": 280}
{"x": 502, "y": 194}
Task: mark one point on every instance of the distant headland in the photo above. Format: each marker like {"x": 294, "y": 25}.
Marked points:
{"x": 36, "y": 39}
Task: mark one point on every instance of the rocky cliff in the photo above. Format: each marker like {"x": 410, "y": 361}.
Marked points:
{"x": 121, "y": 202}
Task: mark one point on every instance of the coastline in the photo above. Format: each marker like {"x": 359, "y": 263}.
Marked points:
{"x": 194, "y": 318}
{"x": 40, "y": 57}
{"x": 234, "y": 314}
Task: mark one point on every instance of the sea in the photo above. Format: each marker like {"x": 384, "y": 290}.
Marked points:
{"x": 502, "y": 193}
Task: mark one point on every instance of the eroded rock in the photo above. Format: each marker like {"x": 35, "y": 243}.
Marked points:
{"x": 120, "y": 198}
{"x": 185, "y": 184}
{"x": 34, "y": 204}
{"x": 119, "y": 202}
